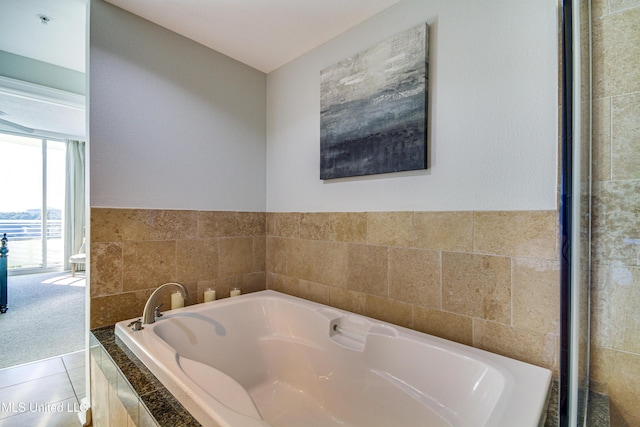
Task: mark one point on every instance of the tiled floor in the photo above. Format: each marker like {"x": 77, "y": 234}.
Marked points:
{"x": 43, "y": 393}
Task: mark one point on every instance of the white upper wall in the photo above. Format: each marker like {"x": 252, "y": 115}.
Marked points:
{"x": 493, "y": 113}
{"x": 173, "y": 124}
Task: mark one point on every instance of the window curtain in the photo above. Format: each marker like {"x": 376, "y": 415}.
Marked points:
{"x": 74, "y": 222}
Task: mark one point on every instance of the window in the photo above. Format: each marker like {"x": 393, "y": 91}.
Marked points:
{"x": 32, "y": 200}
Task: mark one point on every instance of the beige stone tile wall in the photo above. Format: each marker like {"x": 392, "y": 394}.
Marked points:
{"x": 615, "y": 279}
{"x": 133, "y": 251}
{"x": 487, "y": 279}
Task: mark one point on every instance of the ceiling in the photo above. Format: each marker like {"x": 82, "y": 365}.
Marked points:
{"x": 60, "y": 42}
{"x": 34, "y": 109}
{"x": 264, "y": 34}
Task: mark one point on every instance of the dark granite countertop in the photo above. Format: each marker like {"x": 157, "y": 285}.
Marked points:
{"x": 166, "y": 410}
{"x": 597, "y": 409}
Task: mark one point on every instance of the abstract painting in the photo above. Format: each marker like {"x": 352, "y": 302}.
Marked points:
{"x": 373, "y": 109}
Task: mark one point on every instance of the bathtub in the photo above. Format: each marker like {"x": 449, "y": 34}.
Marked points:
{"x": 270, "y": 359}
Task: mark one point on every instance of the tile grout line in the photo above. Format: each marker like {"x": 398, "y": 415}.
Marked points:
{"x": 33, "y": 379}
{"x": 75, "y": 396}
{"x": 66, "y": 370}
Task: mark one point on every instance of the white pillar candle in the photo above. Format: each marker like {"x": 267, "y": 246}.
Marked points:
{"x": 234, "y": 292}
{"x": 209, "y": 295}
{"x": 176, "y": 300}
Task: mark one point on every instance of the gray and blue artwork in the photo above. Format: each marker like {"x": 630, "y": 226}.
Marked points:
{"x": 373, "y": 109}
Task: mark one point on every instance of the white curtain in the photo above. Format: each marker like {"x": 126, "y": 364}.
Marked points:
{"x": 74, "y": 224}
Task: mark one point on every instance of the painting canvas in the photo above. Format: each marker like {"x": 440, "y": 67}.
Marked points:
{"x": 373, "y": 106}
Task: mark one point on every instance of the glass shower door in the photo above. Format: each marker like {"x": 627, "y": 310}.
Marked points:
{"x": 615, "y": 224}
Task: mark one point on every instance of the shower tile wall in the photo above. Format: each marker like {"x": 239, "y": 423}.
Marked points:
{"x": 487, "y": 279}
{"x": 615, "y": 301}
{"x": 133, "y": 251}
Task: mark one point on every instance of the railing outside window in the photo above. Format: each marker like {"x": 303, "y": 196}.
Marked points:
{"x": 26, "y": 242}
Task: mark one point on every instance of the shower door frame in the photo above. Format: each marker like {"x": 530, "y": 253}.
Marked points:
{"x": 574, "y": 220}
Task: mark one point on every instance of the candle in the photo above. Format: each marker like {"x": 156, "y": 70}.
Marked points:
{"x": 209, "y": 295}
{"x": 176, "y": 300}
{"x": 234, "y": 292}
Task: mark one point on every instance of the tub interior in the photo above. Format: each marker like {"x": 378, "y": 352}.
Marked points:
{"x": 324, "y": 367}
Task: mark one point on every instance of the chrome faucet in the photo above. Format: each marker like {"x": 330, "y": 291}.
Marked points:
{"x": 150, "y": 310}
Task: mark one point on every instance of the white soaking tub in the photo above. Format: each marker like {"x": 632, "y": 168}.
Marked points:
{"x": 272, "y": 359}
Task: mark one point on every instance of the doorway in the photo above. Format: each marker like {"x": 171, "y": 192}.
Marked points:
{"x": 43, "y": 111}
{"x": 43, "y": 227}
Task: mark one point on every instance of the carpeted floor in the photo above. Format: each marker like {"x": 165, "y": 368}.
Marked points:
{"x": 45, "y": 317}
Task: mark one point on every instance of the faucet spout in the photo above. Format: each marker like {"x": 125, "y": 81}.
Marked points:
{"x": 149, "y": 313}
